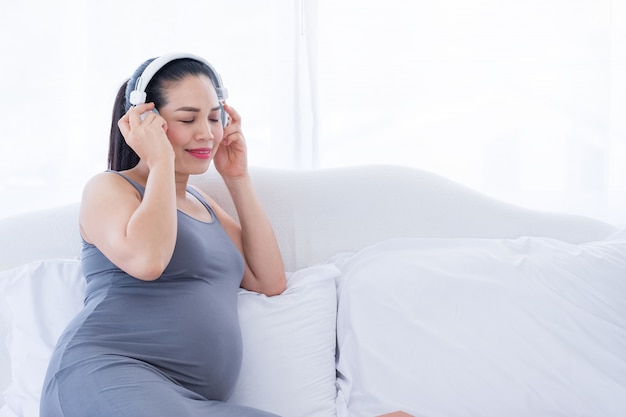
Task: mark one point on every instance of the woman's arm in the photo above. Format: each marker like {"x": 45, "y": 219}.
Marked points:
{"x": 254, "y": 235}
{"x": 137, "y": 235}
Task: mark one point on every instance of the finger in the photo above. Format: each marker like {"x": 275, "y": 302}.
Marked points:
{"x": 232, "y": 138}
{"x": 147, "y": 117}
{"x": 135, "y": 113}
{"x": 153, "y": 118}
{"x": 234, "y": 115}
{"x": 124, "y": 125}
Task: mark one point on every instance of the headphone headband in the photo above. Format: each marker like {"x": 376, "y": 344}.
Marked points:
{"x": 138, "y": 94}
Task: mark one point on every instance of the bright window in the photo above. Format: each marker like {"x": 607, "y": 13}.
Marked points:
{"x": 522, "y": 100}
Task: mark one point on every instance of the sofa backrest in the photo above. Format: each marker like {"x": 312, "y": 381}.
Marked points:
{"x": 319, "y": 213}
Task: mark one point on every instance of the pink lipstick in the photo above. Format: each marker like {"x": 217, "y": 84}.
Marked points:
{"x": 200, "y": 153}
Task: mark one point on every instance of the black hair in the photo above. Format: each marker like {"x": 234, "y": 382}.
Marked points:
{"x": 121, "y": 156}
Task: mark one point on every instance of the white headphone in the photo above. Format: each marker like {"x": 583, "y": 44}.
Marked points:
{"x": 138, "y": 94}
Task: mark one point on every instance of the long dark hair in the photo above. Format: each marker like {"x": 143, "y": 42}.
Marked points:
{"x": 121, "y": 156}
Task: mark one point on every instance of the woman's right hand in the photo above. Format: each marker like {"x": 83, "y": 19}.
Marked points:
{"x": 147, "y": 137}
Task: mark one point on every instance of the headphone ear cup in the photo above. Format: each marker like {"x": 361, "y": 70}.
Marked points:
{"x": 137, "y": 97}
{"x": 223, "y": 115}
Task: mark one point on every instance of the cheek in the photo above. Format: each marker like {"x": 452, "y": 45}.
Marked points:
{"x": 176, "y": 136}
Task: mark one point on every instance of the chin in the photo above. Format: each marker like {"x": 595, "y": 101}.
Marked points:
{"x": 201, "y": 169}
{"x": 194, "y": 170}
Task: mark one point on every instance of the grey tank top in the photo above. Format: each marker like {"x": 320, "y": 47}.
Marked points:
{"x": 183, "y": 324}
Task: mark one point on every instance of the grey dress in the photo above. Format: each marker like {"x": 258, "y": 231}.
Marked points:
{"x": 164, "y": 348}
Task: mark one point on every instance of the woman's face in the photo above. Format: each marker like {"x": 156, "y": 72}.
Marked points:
{"x": 194, "y": 127}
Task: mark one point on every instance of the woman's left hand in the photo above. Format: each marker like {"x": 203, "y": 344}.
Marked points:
{"x": 231, "y": 159}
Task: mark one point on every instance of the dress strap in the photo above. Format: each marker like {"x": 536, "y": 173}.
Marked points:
{"x": 140, "y": 188}
{"x": 199, "y": 196}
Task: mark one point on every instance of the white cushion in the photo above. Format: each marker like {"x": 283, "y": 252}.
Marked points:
{"x": 289, "y": 346}
{"x": 37, "y": 301}
{"x": 289, "y": 340}
{"x": 483, "y": 327}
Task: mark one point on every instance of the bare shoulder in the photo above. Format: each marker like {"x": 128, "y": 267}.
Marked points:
{"x": 107, "y": 199}
{"x": 396, "y": 414}
{"x": 106, "y": 178}
{"x": 104, "y": 184}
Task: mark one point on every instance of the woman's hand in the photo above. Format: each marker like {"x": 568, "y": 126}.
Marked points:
{"x": 231, "y": 159}
{"x": 147, "y": 136}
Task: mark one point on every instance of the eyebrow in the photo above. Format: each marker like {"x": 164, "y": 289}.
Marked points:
{"x": 194, "y": 109}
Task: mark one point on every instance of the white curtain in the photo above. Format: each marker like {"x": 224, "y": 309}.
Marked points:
{"x": 521, "y": 100}
{"x": 63, "y": 61}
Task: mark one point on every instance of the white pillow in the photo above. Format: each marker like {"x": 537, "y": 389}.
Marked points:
{"x": 37, "y": 300}
{"x": 289, "y": 340}
{"x": 289, "y": 346}
{"x": 483, "y": 327}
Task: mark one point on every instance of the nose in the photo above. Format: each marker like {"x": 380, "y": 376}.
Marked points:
{"x": 205, "y": 131}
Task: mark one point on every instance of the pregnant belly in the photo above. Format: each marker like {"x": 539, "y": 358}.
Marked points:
{"x": 192, "y": 337}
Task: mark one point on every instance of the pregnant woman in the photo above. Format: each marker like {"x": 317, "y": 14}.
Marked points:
{"x": 159, "y": 333}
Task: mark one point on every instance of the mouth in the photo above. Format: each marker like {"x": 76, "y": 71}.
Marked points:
{"x": 200, "y": 153}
